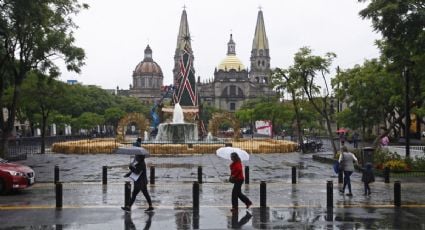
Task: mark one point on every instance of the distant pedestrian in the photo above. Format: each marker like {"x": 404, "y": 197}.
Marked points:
{"x": 138, "y": 142}
{"x": 237, "y": 178}
{"x": 355, "y": 140}
{"x": 346, "y": 160}
{"x": 342, "y": 138}
{"x": 138, "y": 174}
{"x": 367, "y": 178}
{"x": 385, "y": 141}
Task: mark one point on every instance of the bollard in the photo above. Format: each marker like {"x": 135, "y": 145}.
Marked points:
{"x": 152, "y": 175}
{"x": 127, "y": 192}
{"x": 329, "y": 214}
{"x": 397, "y": 194}
{"x": 195, "y": 192}
{"x": 58, "y": 194}
{"x": 246, "y": 174}
{"x": 263, "y": 195}
{"x": 105, "y": 175}
{"x": 294, "y": 175}
{"x": 387, "y": 175}
{"x": 195, "y": 217}
{"x": 200, "y": 174}
{"x": 56, "y": 174}
{"x": 329, "y": 194}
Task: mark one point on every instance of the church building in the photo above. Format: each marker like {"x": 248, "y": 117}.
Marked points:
{"x": 233, "y": 82}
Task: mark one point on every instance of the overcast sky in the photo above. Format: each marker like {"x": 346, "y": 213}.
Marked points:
{"x": 114, "y": 34}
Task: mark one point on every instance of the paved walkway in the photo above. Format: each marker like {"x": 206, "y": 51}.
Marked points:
{"x": 87, "y": 204}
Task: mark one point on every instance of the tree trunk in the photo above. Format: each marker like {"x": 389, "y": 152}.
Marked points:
{"x": 330, "y": 133}
{"x": 297, "y": 118}
{"x": 43, "y": 135}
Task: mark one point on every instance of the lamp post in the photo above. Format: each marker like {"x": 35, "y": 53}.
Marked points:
{"x": 407, "y": 112}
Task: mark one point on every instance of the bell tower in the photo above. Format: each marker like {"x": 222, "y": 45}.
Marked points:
{"x": 260, "y": 56}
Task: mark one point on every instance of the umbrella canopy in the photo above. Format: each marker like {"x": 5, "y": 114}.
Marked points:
{"x": 342, "y": 130}
{"x": 225, "y": 152}
{"x": 132, "y": 150}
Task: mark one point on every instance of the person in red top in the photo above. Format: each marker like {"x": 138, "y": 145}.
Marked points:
{"x": 237, "y": 178}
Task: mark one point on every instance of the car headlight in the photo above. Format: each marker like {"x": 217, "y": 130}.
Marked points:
{"x": 14, "y": 173}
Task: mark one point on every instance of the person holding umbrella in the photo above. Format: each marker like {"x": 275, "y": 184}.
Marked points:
{"x": 237, "y": 178}
{"x": 138, "y": 174}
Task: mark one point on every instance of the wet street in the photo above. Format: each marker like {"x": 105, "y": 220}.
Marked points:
{"x": 87, "y": 204}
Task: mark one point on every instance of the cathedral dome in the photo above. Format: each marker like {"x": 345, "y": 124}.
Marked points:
{"x": 231, "y": 62}
{"x": 147, "y": 66}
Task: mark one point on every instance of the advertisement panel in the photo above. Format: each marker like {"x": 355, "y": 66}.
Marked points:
{"x": 264, "y": 127}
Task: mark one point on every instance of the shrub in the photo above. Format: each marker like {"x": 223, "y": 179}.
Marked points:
{"x": 396, "y": 164}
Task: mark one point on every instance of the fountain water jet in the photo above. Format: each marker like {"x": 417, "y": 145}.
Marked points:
{"x": 178, "y": 131}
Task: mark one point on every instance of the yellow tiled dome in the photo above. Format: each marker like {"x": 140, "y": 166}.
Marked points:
{"x": 231, "y": 62}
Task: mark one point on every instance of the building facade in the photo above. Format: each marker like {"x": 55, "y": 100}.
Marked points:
{"x": 233, "y": 83}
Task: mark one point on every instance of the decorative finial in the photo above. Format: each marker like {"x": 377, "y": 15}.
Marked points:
{"x": 260, "y": 8}
{"x": 184, "y": 7}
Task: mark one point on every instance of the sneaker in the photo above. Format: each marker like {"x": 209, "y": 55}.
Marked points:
{"x": 150, "y": 209}
{"x": 349, "y": 194}
{"x": 341, "y": 191}
{"x": 126, "y": 209}
{"x": 248, "y": 205}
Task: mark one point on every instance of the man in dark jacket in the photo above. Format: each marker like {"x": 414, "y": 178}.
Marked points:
{"x": 138, "y": 168}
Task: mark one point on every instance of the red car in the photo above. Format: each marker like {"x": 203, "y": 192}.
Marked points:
{"x": 15, "y": 176}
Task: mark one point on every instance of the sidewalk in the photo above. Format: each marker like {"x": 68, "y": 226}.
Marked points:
{"x": 87, "y": 204}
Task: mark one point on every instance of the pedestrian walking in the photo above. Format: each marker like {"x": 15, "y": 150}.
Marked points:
{"x": 367, "y": 178}
{"x": 385, "y": 141}
{"x": 237, "y": 178}
{"x": 346, "y": 160}
{"x": 356, "y": 140}
{"x": 138, "y": 174}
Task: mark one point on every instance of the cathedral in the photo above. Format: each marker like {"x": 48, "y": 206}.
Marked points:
{"x": 233, "y": 83}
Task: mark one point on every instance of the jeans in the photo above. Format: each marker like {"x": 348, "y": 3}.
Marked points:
{"x": 347, "y": 181}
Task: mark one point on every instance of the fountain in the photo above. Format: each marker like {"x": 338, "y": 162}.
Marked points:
{"x": 178, "y": 131}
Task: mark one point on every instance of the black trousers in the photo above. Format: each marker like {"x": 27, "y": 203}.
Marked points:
{"x": 237, "y": 193}
{"x": 140, "y": 186}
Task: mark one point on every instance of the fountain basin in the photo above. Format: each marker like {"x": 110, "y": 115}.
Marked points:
{"x": 177, "y": 132}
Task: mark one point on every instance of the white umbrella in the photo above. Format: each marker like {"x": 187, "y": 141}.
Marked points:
{"x": 225, "y": 152}
{"x": 132, "y": 150}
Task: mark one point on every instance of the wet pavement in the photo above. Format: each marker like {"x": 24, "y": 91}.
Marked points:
{"x": 87, "y": 204}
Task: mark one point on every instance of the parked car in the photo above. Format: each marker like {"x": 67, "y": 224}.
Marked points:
{"x": 15, "y": 176}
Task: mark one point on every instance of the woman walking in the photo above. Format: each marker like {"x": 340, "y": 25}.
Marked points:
{"x": 237, "y": 178}
{"x": 346, "y": 160}
{"x": 138, "y": 168}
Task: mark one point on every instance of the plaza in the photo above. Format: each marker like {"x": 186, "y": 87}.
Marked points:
{"x": 88, "y": 204}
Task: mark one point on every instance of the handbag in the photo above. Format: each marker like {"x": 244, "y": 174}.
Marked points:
{"x": 232, "y": 179}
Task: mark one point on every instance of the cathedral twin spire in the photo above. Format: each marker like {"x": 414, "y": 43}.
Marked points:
{"x": 260, "y": 57}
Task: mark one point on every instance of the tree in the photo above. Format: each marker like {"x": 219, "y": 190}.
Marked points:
{"x": 88, "y": 121}
{"x": 373, "y": 96}
{"x": 283, "y": 81}
{"x": 113, "y": 116}
{"x": 306, "y": 69}
{"x": 33, "y": 34}
{"x": 40, "y": 95}
{"x": 402, "y": 24}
